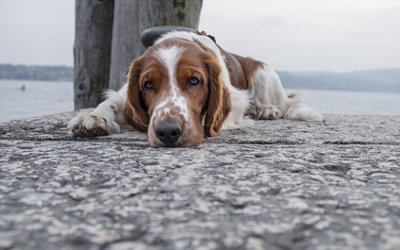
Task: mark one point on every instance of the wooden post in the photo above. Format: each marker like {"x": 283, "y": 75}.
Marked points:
{"x": 107, "y": 39}
{"x": 92, "y": 50}
{"x": 131, "y": 17}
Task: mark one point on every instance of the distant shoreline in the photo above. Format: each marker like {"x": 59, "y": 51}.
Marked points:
{"x": 41, "y": 73}
{"x": 380, "y": 80}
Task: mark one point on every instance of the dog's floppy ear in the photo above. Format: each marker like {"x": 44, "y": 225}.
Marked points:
{"x": 219, "y": 100}
{"x": 135, "y": 111}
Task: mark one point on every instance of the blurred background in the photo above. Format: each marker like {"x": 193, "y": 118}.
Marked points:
{"x": 342, "y": 56}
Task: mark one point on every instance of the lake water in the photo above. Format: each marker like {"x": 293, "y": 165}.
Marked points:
{"x": 38, "y": 98}
{"x": 43, "y": 97}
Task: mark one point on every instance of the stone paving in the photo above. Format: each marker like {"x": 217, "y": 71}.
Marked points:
{"x": 278, "y": 185}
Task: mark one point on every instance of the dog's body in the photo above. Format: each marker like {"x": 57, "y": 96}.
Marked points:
{"x": 186, "y": 87}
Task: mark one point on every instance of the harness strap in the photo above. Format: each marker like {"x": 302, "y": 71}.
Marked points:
{"x": 203, "y": 33}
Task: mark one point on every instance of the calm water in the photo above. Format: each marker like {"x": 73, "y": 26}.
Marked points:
{"x": 42, "y": 97}
{"x": 351, "y": 102}
{"x": 38, "y": 98}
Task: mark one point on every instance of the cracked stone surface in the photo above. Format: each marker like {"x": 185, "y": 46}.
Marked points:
{"x": 278, "y": 185}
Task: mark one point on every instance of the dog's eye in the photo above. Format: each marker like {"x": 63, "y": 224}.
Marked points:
{"x": 193, "y": 81}
{"x": 148, "y": 85}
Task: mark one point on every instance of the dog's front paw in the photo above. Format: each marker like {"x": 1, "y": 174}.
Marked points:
{"x": 90, "y": 125}
{"x": 269, "y": 112}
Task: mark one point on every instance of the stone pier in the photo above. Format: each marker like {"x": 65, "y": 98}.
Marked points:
{"x": 278, "y": 185}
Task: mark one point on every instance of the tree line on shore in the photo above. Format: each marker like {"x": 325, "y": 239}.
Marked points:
{"x": 43, "y": 73}
{"x": 384, "y": 80}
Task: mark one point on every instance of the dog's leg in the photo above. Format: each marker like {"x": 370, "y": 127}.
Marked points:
{"x": 267, "y": 94}
{"x": 269, "y": 99}
{"x": 104, "y": 120}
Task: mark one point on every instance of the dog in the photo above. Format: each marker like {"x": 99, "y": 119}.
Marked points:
{"x": 184, "y": 88}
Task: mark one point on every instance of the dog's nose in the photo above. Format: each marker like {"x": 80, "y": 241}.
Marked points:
{"x": 168, "y": 132}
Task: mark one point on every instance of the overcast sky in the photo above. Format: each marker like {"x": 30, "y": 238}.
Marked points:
{"x": 331, "y": 35}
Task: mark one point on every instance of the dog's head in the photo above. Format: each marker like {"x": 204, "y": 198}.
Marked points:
{"x": 176, "y": 94}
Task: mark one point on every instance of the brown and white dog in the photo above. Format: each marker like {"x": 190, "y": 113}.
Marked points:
{"x": 185, "y": 87}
